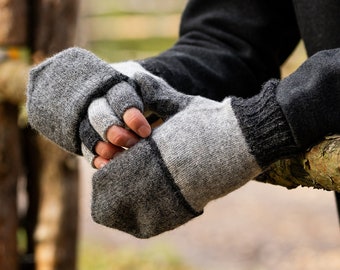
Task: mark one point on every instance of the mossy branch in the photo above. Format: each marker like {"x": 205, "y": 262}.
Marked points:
{"x": 317, "y": 168}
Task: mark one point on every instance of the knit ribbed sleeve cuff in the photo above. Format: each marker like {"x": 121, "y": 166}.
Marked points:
{"x": 264, "y": 126}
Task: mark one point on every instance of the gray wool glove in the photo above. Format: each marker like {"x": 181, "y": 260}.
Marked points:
{"x": 106, "y": 111}
{"x": 62, "y": 87}
{"x": 207, "y": 149}
{"x": 199, "y": 154}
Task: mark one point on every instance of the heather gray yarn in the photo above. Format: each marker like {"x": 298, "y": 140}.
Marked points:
{"x": 60, "y": 90}
{"x": 102, "y": 117}
{"x": 199, "y": 154}
{"x": 208, "y": 156}
{"x": 164, "y": 101}
{"x": 150, "y": 98}
{"x": 136, "y": 194}
{"x": 159, "y": 97}
{"x": 122, "y": 97}
{"x": 88, "y": 155}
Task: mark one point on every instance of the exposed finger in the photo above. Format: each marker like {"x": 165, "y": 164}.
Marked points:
{"x": 121, "y": 137}
{"x": 99, "y": 162}
{"x": 136, "y": 121}
{"x": 107, "y": 150}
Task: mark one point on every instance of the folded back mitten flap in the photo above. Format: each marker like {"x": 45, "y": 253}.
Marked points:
{"x": 60, "y": 90}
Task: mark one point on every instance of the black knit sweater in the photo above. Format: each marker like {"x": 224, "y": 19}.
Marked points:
{"x": 231, "y": 47}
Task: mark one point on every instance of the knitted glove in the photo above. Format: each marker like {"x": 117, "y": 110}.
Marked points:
{"x": 208, "y": 149}
{"x": 61, "y": 88}
{"x": 106, "y": 111}
{"x": 199, "y": 154}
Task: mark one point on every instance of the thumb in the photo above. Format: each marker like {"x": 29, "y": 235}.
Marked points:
{"x": 159, "y": 97}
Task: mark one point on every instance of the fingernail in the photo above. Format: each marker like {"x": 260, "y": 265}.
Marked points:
{"x": 102, "y": 165}
{"x": 131, "y": 142}
{"x": 144, "y": 131}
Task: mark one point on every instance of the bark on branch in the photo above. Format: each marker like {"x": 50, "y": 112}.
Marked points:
{"x": 318, "y": 168}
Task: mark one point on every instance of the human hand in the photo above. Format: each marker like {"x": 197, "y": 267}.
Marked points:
{"x": 135, "y": 121}
{"x": 197, "y": 155}
{"x": 60, "y": 90}
{"x": 119, "y": 138}
{"x": 114, "y": 127}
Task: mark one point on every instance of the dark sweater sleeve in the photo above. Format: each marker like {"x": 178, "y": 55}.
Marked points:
{"x": 228, "y": 47}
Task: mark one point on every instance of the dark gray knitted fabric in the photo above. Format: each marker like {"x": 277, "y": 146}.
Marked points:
{"x": 88, "y": 135}
{"x": 60, "y": 90}
{"x": 264, "y": 125}
{"x": 310, "y": 98}
{"x": 135, "y": 193}
{"x": 148, "y": 99}
{"x": 204, "y": 150}
{"x": 199, "y": 154}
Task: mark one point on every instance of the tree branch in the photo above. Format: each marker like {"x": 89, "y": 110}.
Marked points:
{"x": 318, "y": 168}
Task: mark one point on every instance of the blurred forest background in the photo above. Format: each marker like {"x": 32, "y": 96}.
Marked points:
{"x": 258, "y": 227}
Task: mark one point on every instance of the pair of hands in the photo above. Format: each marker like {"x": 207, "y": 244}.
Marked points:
{"x": 119, "y": 137}
{"x": 203, "y": 151}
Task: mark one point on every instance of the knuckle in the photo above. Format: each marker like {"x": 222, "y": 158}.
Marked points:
{"x": 117, "y": 139}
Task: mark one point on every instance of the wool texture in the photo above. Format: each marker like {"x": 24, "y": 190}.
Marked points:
{"x": 310, "y": 98}
{"x": 207, "y": 156}
{"x": 264, "y": 125}
{"x": 108, "y": 110}
{"x": 135, "y": 193}
{"x": 88, "y": 155}
{"x": 101, "y": 117}
{"x": 199, "y": 154}
{"x": 60, "y": 90}
{"x": 204, "y": 150}
{"x": 161, "y": 102}
{"x": 88, "y": 135}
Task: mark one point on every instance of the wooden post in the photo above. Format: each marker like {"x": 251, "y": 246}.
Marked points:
{"x": 53, "y": 178}
{"x": 12, "y": 32}
{"x": 55, "y": 172}
{"x": 53, "y": 26}
{"x": 10, "y": 167}
{"x": 46, "y": 27}
{"x": 13, "y": 21}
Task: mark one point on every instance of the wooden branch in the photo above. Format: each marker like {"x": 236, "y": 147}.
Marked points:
{"x": 53, "y": 24}
{"x": 318, "y": 168}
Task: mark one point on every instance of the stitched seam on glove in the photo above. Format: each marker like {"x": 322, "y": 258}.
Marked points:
{"x": 171, "y": 181}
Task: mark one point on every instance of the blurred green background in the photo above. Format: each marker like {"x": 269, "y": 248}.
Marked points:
{"x": 121, "y": 30}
